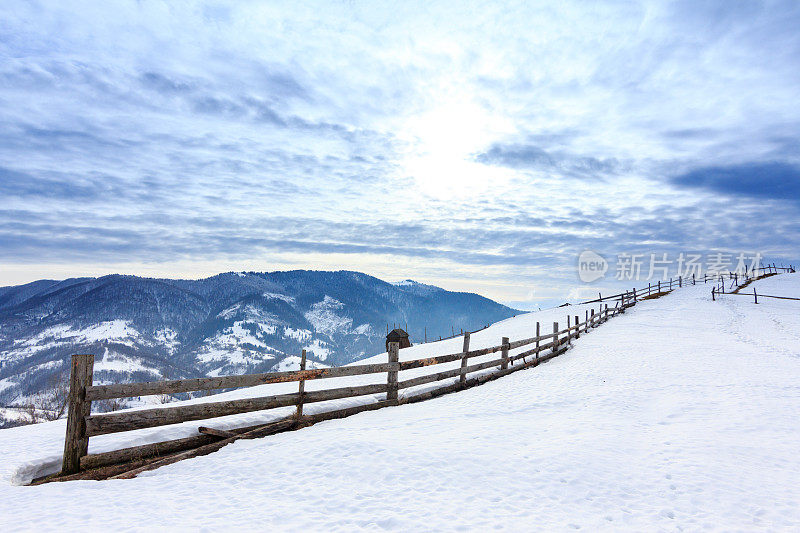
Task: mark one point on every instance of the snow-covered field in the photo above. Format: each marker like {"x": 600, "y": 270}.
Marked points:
{"x": 679, "y": 415}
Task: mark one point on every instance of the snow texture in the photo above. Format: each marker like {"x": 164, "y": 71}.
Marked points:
{"x": 679, "y": 415}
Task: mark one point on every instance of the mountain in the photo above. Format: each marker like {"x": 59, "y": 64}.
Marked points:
{"x": 143, "y": 329}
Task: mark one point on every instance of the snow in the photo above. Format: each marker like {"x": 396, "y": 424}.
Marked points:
{"x": 13, "y": 414}
{"x": 116, "y": 331}
{"x": 363, "y": 329}
{"x": 679, "y": 415}
{"x": 293, "y": 363}
{"x": 276, "y": 296}
{"x": 116, "y": 362}
{"x": 297, "y": 334}
{"x": 168, "y": 338}
{"x": 324, "y": 319}
{"x": 229, "y": 345}
{"x": 6, "y": 383}
{"x": 317, "y": 347}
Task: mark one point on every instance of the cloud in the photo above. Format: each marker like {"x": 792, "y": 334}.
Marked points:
{"x": 528, "y": 157}
{"x": 757, "y": 180}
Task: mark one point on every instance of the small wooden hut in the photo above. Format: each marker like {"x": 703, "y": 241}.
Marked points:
{"x": 398, "y": 335}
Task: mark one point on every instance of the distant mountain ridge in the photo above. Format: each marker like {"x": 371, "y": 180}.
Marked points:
{"x": 144, "y": 329}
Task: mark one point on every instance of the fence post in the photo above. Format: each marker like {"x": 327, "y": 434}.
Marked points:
{"x": 680, "y": 282}
{"x": 606, "y": 318}
{"x": 659, "y": 285}
{"x": 465, "y": 349}
{"x": 555, "y": 336}
{"x": 391, "y": 379}
{"x": 504, "y": 353}
{"x": 537, "y": 343}
{"x": 755, "y": 296}
{"x": 301, "y": 387}
{"x": 577, "y": 327}
{"x": 713, "y": 297}
{"x": 592, "y": 318}
{"x": 76, "y": 443}
{"x": 569, "y": 330}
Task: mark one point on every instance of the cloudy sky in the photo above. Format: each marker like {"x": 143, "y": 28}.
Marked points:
{"x": 478, "y": 146}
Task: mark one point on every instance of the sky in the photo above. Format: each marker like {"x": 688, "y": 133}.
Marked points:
{"x": 478, "y": 146}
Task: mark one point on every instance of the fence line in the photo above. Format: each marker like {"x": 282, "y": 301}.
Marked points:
{"x": 748, "y": 278}
{"x": 81, "y": 424}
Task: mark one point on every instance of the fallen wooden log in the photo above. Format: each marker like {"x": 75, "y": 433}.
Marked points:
{"x": 216, "y": 432}
{"x": 261, "y": 431}
{"x": 155, "y": 449}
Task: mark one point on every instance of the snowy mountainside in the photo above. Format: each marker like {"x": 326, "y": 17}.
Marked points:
{"x": 143, "y": 329}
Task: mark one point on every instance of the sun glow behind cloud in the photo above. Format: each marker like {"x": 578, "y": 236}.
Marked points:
{"x": 442, "y": 143}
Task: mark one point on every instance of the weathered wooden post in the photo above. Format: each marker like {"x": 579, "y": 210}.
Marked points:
{"x": 504, "y": 354}
{"x": 465, "y": 349}
{"x": 391, "y": 379}
{"x": 680, "y": 282}
{"x": 659, "y": 286}
{"x": 592, "y": 317}
{"x": 755, "y": 296}
{"x": 537, "y": 343}
{"x": 713, "y": 297}
{"x": 569, "y": 330}
{"x": 301, "y": 387}
{"x": 577, "y": 327}
{"x": 76, "y": 443}
{"x": 555, "y": 336}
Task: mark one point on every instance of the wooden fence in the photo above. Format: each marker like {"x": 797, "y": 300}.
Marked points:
{"x": 82, "y": 424}
{"x": 740, "y": 282}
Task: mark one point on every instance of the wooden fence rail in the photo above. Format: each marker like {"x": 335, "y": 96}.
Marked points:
{"x": 81, "y": 424}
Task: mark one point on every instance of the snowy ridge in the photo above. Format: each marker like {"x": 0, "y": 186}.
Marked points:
{"x": 234, "y": 323}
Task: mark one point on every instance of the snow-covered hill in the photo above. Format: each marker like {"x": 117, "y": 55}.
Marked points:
{"x": 679, "y": 415}
{"x": 149, "y": 329}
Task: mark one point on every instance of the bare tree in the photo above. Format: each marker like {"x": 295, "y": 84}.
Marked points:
{"x": 166, "y": 375}
{"x": 111, "y": 404}
{"x": 31, "y": 412}
{"x": 51, "y": 403}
